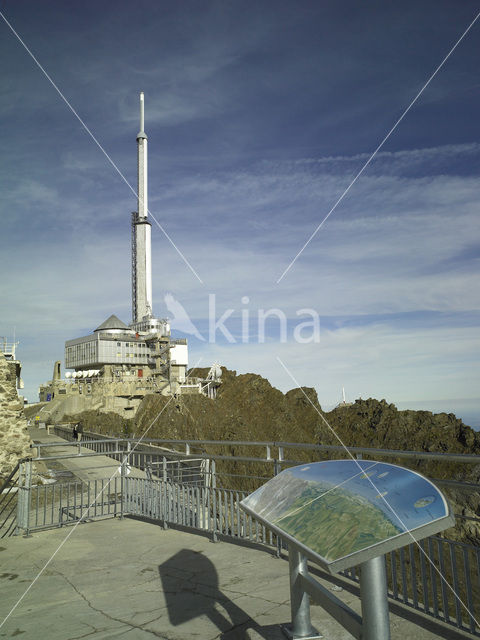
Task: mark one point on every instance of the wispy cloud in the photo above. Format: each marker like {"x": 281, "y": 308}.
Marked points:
{"x": 257, "y": 120}
{"x": 373, "y": 361}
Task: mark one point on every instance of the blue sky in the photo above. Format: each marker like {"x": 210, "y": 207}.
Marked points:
{"x": 259, "y": 115}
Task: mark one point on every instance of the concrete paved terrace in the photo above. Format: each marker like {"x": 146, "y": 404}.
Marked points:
{"x": 127, "y": 578}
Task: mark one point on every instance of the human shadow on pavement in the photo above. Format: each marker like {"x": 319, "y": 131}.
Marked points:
{"x": 190, "y": 585}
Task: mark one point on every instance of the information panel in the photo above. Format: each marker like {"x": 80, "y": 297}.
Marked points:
{"x": 344, "y": 512}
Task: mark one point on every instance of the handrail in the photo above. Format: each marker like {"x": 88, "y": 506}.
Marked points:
{"x": 391, "y": 453}
{"x": 8, "y": 502}
{"x": 15, "y": 469}
{"x": 267, "y": 459}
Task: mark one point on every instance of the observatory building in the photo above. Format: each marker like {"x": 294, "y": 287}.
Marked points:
{"x": 113, "y": 368}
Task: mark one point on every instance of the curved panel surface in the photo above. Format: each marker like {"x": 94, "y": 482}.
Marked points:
{"x": 342, "y": 512}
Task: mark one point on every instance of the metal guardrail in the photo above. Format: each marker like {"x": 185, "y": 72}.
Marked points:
{"x": 158, "y": 461}
{"x": 213, "y": 510}
{"x": 411, "y": 579}
{"x": 55, "y": 505}
{"x": 8, "y": 503}
{"x": 191, "y": 472}
{"x": 274, "y": 451}
{"x": 206, "y": 507}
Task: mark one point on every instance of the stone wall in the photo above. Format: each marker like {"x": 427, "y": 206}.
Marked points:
{"x": 14, "y": 439}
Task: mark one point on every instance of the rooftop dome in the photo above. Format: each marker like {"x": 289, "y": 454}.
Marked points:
{"x": 112, "y": 323}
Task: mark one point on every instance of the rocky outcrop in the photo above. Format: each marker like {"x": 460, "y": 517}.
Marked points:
{"x": 14, "y": 439}
{"x": 248, "y": 408}
{"x": 376, "y": 423}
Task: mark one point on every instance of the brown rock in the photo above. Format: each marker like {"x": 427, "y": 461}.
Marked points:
{"x": 14, "y": 439}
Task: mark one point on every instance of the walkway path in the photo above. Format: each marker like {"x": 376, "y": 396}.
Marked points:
{"x": 125, "y": 578}
{"x": 84, "y": 468}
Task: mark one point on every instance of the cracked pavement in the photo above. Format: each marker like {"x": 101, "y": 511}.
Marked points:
{"x": 131, "y": 579}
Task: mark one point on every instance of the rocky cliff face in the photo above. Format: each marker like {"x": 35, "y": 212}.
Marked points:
{"x": 14, "y": 439}
{"x": 249, "y": 408}
{"x": 372, "y": 423}
{"x": 376, "y": 423}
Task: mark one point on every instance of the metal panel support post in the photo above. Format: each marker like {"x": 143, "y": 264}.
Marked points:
{"x": 301, "y": 626}
{"x": 373, "y": 592}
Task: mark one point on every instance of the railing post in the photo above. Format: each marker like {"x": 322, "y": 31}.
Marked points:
{"x": 123, "y": 466}
{"x": 214, "y": 477}
{"x": 23, "y": 499}
{"x": 278, "y": 463}
{"x": 205, "y": 470}
{"x": 301, "y": 625}
{"x": 122, "y": 482}
{"x": 28, "y": 482}
{"x": 373, "y": 592}
{"x": 214, "y": 502}
{"x": 20, "y": 498}
{"x": 165, "y": 493}
{"x": 278, "y": 552}
{"x": 165, "y": 503}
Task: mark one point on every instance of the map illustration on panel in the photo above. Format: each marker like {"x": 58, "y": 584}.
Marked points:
{"x": 338, "y": 508}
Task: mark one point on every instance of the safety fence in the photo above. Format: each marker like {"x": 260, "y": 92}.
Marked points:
{"x": 154, "y": 460}
{"x": 54, "y": 505}
{"x": 8, "y": 502}
{"x": 440, "y": 577}
{"x": 210, "y": 509}
{"x": 437, "y": 576}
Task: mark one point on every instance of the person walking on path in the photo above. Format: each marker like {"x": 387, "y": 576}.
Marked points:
{"x": 79, "y": 429}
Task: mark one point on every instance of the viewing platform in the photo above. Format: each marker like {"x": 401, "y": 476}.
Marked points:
{"x": 126, "y": 578}
{"x": 165, "y": 552}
